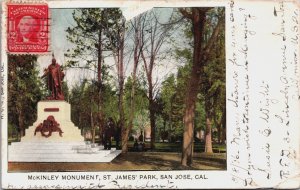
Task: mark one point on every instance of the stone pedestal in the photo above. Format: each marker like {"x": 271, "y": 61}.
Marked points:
{"x": 61, "y": 111}
{"x": 70, "y": 147}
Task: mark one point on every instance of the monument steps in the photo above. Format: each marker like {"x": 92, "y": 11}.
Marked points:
{"x": 60, "y": 152}
{"x": 48, "y": 144}
{"x": 70, "y": 147}
{"x": 72, "y": 158}
{"x": 25, "y": 147}
{"x": 68, "y": 156}
{"x": 75, "y": 157}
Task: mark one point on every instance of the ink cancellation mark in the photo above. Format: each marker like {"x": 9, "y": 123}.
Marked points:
{"x": 27, "y": 28}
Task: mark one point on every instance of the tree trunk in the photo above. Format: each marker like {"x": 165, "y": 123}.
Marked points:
{"x": 125, "y": 141}
{"x": 156, "y": 39}
{"x": 132, "y": 108}
{"x": 223, "y": 139}
{"x": 193, "y": 87}
{"x": 218, "y": 124}
{"x": 120, "y": 65}
{"x": 219, "y": 133}
{"x": 20, "y": 119}
{"x": 208, "y": 141}
{"x": 223, "y": 126}
{"x": 151, "y": 102}
{"x": 124, "y": 132}
{"x": 132, "y": 94}
{"x": 79, "y": 124}
{"x": 164, "y": 131}
{"x": 100, "y": 96}
{"x": 93, "y": 127}
{"x": 152, "y": 115}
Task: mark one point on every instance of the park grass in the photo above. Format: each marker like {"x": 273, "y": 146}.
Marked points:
{"x": 132, "y": 161}
{"x": 177, "y": 147}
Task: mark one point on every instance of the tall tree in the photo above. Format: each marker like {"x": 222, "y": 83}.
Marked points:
{"x": 140, "y": 103}
{"x": 87, "y": 35}
{"x": 201, "y": 53}
{"x": 115, "y": 31}
{"x": 154, "y": 37}
{"x": 98, "y": 31}
{"x": 213, "y": 83}
{"x": 78, "y": 110}
{"x": 137, "y": 24}
{"x": 23, "y": 79}
{"x": 172, "y": 95}
{"x": 168, "y": 92}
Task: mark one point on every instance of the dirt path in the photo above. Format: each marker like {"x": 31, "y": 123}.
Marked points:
{"x": 130, "y": 161}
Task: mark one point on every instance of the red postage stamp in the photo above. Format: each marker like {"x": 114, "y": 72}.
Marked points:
{"x": 27, "y": 28}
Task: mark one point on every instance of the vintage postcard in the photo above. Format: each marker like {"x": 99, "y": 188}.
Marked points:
{"x": 150, "y": 94}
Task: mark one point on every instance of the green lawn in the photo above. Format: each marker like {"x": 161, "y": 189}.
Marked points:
{"x": 198, "y": 147}
{"x": 176, "y": 147}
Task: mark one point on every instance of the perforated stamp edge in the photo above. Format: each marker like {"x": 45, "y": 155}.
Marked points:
{"x": 5, "y": 26}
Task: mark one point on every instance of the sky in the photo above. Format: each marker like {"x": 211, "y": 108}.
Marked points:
{"x": 61, "y": 19}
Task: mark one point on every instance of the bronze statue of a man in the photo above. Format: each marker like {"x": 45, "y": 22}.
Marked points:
{"x": 55, "y": 77}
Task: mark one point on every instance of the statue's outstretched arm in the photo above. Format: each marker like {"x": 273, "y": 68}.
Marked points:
{"x": 46, "y": 71}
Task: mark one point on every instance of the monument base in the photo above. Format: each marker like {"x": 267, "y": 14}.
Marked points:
{"x": 59, "y": 152}
{"x": 65, "y": 145}
{"x": 61, "y": 111}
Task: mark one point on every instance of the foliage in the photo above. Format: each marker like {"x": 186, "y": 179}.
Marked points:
{"x": 213, "y": 79}
{"x": 12, "y": 131}
{"x": 84, "y": 98}
{"x": 96, "y": 34}
{"x": 86, "y": 35}
{"x": 213, "y": 76}
{"x": 141, "y": 113}
{"x": 25, "y": 89}
{"x": 141, "y": 121}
